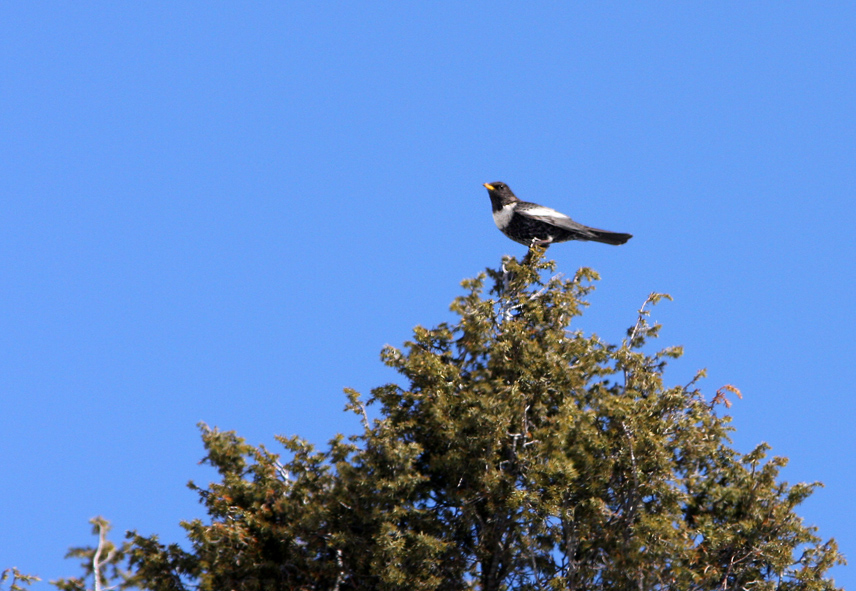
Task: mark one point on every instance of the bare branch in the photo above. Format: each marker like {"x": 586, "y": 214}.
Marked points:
{"x": 96, "y": 556}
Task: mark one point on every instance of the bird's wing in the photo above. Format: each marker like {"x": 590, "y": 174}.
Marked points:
{"x": 550, "y": 216}
{"x": 577, "y": 230}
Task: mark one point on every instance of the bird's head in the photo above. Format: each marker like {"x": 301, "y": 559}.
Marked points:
{"x": 500, "y": 194}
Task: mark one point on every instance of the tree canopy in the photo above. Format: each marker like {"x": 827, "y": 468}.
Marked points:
{"x": 519, "y": 453}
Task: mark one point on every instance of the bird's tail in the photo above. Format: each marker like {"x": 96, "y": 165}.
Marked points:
{"x": 608, "y": 237}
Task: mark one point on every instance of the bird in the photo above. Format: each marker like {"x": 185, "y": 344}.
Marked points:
{"x": 535, "y": 225}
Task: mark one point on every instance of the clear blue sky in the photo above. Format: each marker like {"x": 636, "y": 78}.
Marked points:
{"x": 221, "y": 212}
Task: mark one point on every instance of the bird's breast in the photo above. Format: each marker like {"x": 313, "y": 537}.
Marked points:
{"x": 503, "y": 216}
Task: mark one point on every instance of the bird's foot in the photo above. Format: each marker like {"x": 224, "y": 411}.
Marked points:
{"x": 539, "y": 242}
{"x": 534, "y": 246}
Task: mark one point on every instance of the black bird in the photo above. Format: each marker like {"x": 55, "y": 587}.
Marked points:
{"x": 536, "y": 225}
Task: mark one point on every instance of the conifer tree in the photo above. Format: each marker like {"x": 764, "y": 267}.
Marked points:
{"x": 519, "y": 453}
{"x": 102, "y": 564}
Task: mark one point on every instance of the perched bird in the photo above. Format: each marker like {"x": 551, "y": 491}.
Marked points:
{"x": 536, "y": 225}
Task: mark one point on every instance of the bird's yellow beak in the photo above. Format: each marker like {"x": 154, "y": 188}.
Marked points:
{"x": 489, "y": 186}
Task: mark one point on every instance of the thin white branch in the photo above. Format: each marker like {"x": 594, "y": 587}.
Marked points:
{"x": 640, "y": 318}
{"x": 282, "y": 471}
{"x": 341, "y": 575}
{"x": 96, "y": 556}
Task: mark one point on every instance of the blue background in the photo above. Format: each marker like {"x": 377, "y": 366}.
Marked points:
{"x": 222, "y": 211}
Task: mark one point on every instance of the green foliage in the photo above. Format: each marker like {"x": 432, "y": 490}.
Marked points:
{"x": 521, "y": 454}
{"x": 102, "y": 564}
{"x": 12, "y": 577}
